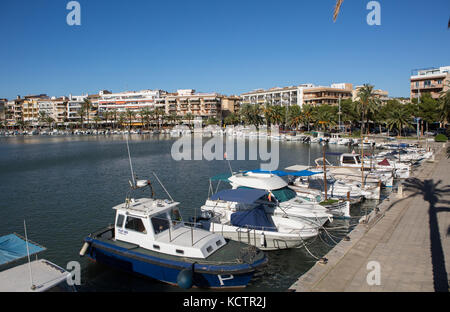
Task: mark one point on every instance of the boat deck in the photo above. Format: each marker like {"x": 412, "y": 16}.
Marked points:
{"x": 232, "y": 253}
{"x": 45, "y": 276}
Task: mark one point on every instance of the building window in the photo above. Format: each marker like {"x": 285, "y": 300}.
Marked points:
{"x": 417, "y": 84}
{"x": 135, "y": 224}
{"x": 427, "y": 83}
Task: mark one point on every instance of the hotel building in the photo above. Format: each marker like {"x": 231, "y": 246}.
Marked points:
{"x": 299, "y": 95}
{"x": 431, "y": 80}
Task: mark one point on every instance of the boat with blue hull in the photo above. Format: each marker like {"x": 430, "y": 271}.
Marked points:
{"x": 150, "y": 238}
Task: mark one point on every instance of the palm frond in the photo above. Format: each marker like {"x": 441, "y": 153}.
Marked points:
{"x": 337, "y": 8}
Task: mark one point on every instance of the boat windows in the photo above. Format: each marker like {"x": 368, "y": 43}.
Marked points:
{"x": 120, "y": 220}
{"x": 156, "y": 247}
{"x": 160, "y": 223}
{"x": 348, "y": 160}
{"x": 135, "y": 224}
{"x": 175, "y": 215}
{"x": 209, "y": 249}
{"x": 218, "y": 243}
{"x": 179, "y": 251}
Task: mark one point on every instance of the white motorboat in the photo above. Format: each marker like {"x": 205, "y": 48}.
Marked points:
{"x": 253, "y": 225}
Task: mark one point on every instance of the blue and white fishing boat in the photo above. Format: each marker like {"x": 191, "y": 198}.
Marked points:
{"x": 150, "y": 238}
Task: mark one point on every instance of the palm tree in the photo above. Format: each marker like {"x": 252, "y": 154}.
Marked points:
{"x": 106, "y": 115}
{"x": 97, "y": 119}
{"x": 232, "y": 119}
{"x": 398, "y": 119}
{"x": 130, "y": 115}
{"x": 87, "y": 105}
{"x": 114, "y": 115}
{"x": 160, "y": 113}
{"x": 122, "y": 118}
{"x": 189, "y": 117}
{"x": 295, "y": 117}
{"x": 81, "y": 113}
{"x": 145, "y": 116}
{"x": 444, "y": 104}
{"x": 308, "y": 116}
{"x": 367, "y": 104}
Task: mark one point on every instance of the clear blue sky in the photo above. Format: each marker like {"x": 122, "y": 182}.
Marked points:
{"x": 225, "y": 46}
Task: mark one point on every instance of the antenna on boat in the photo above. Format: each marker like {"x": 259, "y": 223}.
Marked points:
{"x": 162, "y": 186}
{"x": 131, "y": 165}
{"x": 28, "y": 253}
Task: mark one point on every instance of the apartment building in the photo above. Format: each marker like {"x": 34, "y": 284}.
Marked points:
{"x": 431, "y": 80}
{"x": 382, "y": 95}
{"x": 30, "y": 109}
{"x": 299, "y": 95}
{"x": 131, "y": 100}
{"x": 204, "y": 105}
{"x": 3, "y": 103}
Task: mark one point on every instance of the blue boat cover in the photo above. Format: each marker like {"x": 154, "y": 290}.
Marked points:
{"x": 245, "y": 196}
{"x": 281, "y": 173}
{"x": 13, "y": 247}
{"x": 255, "y": 218}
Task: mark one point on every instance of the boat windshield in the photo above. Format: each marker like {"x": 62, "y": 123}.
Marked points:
{"x": 160, "y": 223}
{"x": 284, "y": 194}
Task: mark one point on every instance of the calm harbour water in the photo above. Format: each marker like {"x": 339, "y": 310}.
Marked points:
{"x": 65, "y": 187}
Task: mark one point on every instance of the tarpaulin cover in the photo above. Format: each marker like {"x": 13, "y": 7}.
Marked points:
{"x": 302, "y": 173}
{"x": 12, "y": 247}
{"x": 240, "y": 195}
{"x": 255, "y": 218}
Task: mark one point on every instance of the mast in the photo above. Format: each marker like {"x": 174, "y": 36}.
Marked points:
{"x": 28, "y": 254}
{"x": 131, "y": 165}
{"x": 325, "y": 174}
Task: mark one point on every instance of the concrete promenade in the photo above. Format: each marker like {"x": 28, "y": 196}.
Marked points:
{"x": 409, "y": 237}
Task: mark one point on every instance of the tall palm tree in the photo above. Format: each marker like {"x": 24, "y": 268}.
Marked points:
{"x": 444, "y": 104}
{"x": 87, "y": 105}
{"x": 307, "y": 112}
{"x": 295, "y": 117}
{"x": 122, "y": 118}
{"x": 367, "y": 103}
{"x": 106, "y": 115}
{"x": 189, "y": 117}
{"x": 81, "y": 112}
{"x": 130, "y": 115}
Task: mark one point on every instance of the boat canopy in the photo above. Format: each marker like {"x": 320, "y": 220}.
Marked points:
{"x": 240, "y": 195}
{"x": 281, "y": 173}
{"x": 14, "y": 247}
{"x": 255, "y": 218}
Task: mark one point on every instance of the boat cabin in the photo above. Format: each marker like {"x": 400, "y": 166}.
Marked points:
{"x": 156, "y": 224}
{"x": 349, "y": 159}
